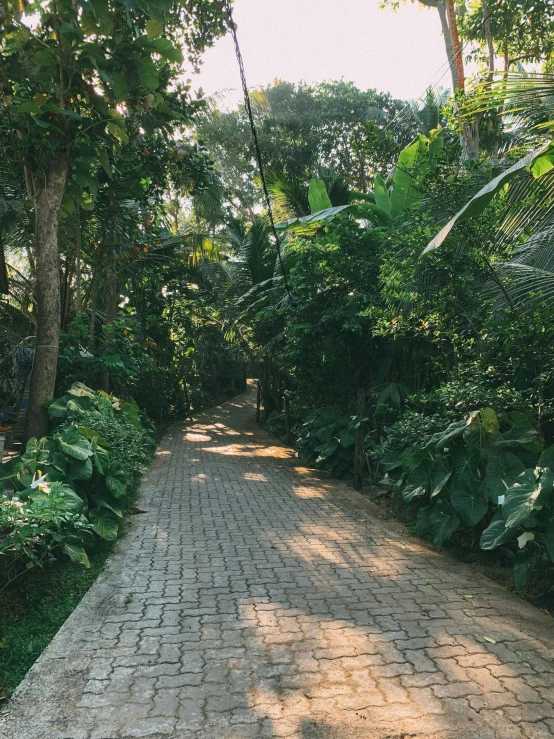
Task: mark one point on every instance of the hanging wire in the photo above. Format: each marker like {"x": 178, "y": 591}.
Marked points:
{"x": 253, "y": 129}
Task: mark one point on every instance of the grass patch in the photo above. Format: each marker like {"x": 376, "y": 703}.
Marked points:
{"x": 33, "y": 608}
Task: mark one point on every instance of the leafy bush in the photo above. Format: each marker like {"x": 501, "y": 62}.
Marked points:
{"x": 38, "y": 521}
{"x": 407, "y": 431}
{"x": 482, "y": 472}
{"x": 276, "y": 424}
{"x": 327, "y": 439}
{"x": 73, "y": 482}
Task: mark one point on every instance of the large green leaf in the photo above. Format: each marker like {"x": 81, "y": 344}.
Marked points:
{"x": 382, "y": 199}
{"x": 347, "y": 438}
{"x": 154, "y": 28}
{"x": 132, "y": 413}
{"x": 390, "y": 461}
{"x": 547, "y": 457}
{"x": 93, "y": 435}
{"x": 412, "y": 457}
{"x": 442, "y": 525}
{"x": 105, "y": 500}
{"x": 101, "y": 459}
{"x": 71, "y": 442}
{"x": 517, "y": 437}
{"x": 79, "y": 470}
{"x": 318, "y": 196}
{"x": 441, "y": 439}
{"x": 419, "y": 480}
{"x": 522, "y": 497}
{"x": 482, "y": 426}
{"x": 147, "y": 73}
{"x": 404, "y": 193}
{"x": 496, "y": 533}
{"x": 373, "y": 213}
{"x": 74, "y": 549}
{"x": 105, "y": 523}
{"x": 423, "y": 522}
{"x": 544, "y": 163}
{"x": 469, "y": 501}
{"x": 78, "y": 405}
{"x": 309, "y": 224}
{"x": 166, "y": 50}
{"x": 327, "y": 449}
{"x": 80, "y": 390}
{"x": 524, "y": 566}
{"x": 312, "y": 220}
{"x": 440, "y": 476}
{"x": 501, "y": 473}
{"x": 479, "y": 202}
{"x": 58, "y": 409}
{"x": 74, "y": 502}
{"x": 465, "y": 465}
{"x": 116, "y": 483}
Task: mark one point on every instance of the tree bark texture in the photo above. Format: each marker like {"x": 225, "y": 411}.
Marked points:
{"x": 441, "y": 7}
{"x": 4, "y": 287}
{"x": 78, "y": 249}
{"x": 457, "y": 58}
{"x": 47, "y": 193}
{"x": 488, "y": 34}
{"x": 112, "y": 300}
{"x": 470, "y": 139}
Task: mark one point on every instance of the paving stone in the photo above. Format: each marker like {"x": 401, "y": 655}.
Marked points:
{"x": 259, "y": 598}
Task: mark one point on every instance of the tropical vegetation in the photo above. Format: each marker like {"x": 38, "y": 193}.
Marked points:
{"x": 395, "y": 304}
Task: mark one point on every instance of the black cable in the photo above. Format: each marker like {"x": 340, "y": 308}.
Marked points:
{"x": 248, "y": 108}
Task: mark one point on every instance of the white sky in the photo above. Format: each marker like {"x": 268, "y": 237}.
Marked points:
{"x": 314, "y": 40}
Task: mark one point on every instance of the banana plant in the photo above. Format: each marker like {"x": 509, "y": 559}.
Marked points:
{"x": 538, "y": 162}
{"x": 384, "y": 204}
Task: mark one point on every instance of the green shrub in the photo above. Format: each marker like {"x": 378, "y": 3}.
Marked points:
{"x": 36, "y": 523}
{"x": 72, "y": 483}
{"x": 486, "y": 473}
{"x": 327, "y": 439}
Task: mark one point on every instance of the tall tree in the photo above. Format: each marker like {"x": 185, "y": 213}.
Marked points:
{"x": 302, "y": 128}
{"x": 69, "y": 84}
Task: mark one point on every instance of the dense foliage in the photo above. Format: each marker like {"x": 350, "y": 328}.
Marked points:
{"x": 414, "y": 268}
{"x": 71, "y": 485}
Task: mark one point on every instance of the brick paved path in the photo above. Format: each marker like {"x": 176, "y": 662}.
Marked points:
{"x": 259, "y": 599}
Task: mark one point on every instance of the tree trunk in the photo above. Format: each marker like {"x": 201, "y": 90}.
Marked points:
{"x": 470, "y": 132}
{"x": 288, "y": 429}
{"x": 112, "y": 299}
{"x": 470, "y": 139}
{"x": 441, "y": 7}
{"x": 4, "y": 286}
{"x": 47, "y": 193}
{"x": 488, "y": 35}
{"x": 93, "y": 299}
{"x": 456, "y": 45}
{"x": 66, "y": 293}
{"x": 78, "y": 248}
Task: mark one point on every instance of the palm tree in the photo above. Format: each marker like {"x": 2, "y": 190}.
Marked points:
{"x": 526, "y": 221}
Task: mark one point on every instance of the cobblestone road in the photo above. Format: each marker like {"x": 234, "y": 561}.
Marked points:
{"x": 259, "y": 599}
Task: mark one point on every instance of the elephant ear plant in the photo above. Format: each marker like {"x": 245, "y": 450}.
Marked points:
{"x": 71, "y": 485}
{"x": 487, "y": 473}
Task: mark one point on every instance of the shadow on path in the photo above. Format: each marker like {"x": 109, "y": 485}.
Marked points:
{"x": 258, "y": 598}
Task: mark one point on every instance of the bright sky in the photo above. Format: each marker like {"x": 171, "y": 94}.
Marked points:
{"x": 314, "y": 40}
